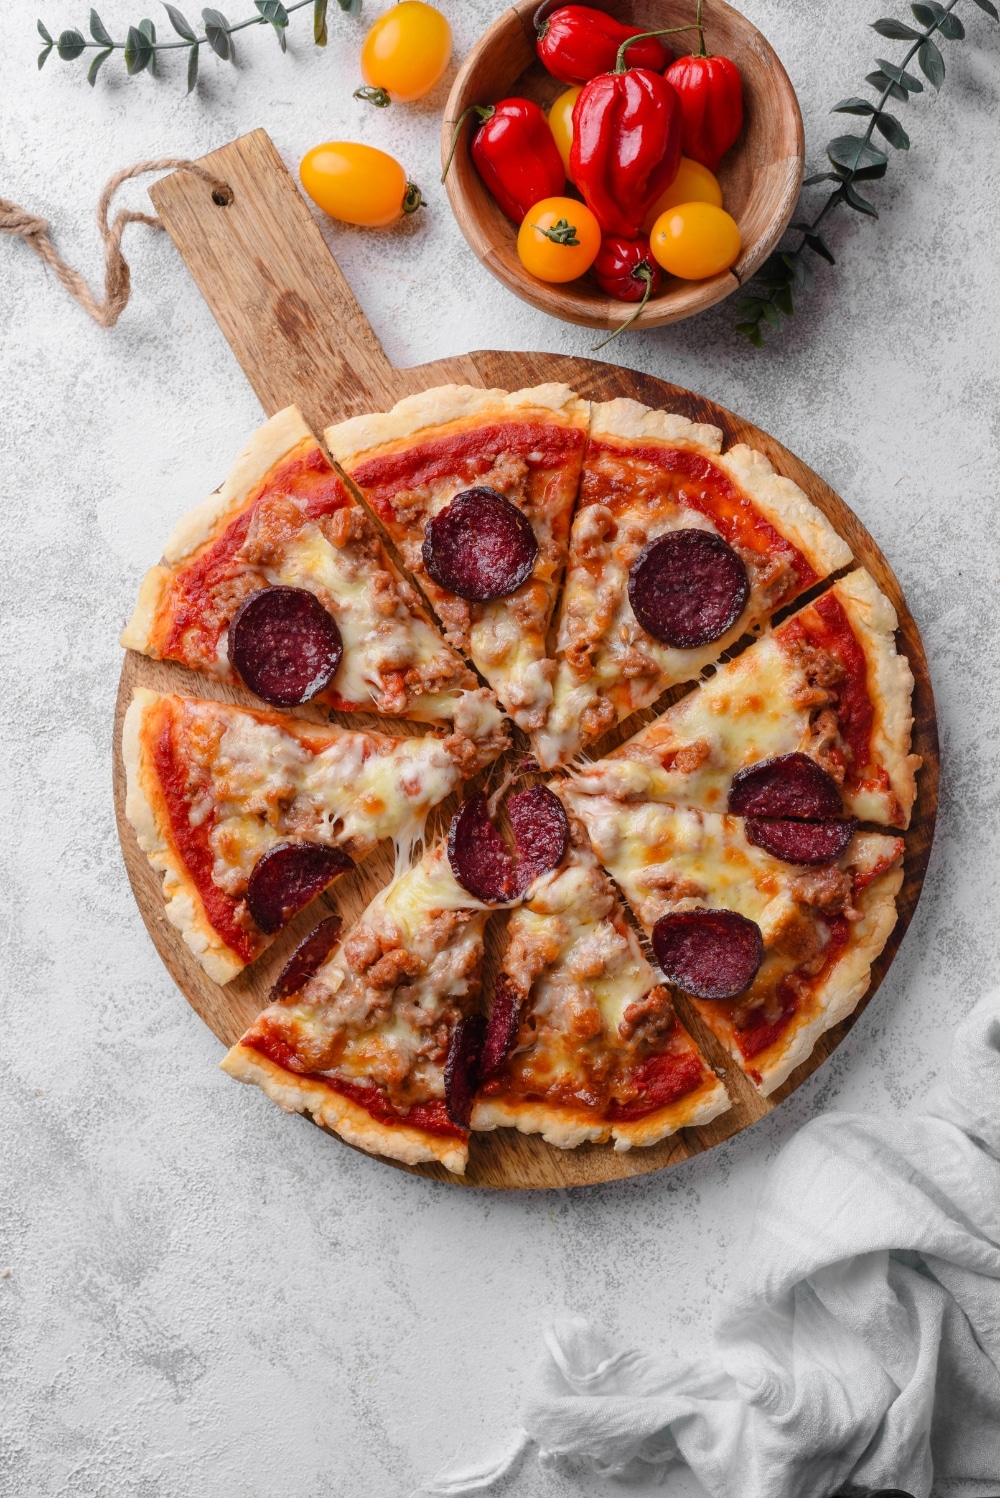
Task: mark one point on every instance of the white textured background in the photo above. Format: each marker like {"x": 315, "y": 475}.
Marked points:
{"x": 207, "y": 1298}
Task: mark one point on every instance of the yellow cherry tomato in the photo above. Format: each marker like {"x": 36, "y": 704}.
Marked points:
{"x": 693, "y": 184}
{"x": 559, "y": 239}
{"x": 561, "y": 124}
{"x": 695, "y": 240}
{"x": 358, "y": 184}
{"x": 406, "y": 51}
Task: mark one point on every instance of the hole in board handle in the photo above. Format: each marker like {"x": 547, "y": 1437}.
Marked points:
{"x": 222, "y": 195}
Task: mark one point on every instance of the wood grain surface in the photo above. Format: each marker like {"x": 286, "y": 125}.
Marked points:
{"x": 760, "y": 175}
{"x": 296, "y": 329}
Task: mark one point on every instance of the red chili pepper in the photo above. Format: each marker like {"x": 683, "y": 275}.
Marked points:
{"x": 626, "y": 145}
{"x": 711, "y": 93}
{"x": 575, "y": 43}
{"x": 626, "y": 270}
{"x": 515, "y": 154}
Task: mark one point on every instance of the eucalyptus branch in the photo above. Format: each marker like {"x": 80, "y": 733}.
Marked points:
{"x": 853, "y": 159}
{"x": 140, "y": 47}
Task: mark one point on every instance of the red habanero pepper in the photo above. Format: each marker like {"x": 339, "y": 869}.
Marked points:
{"x": 515, "y": 154}
{"x": 576, "y": 42}
{"x": 711, "y": 93}
{"x": 626, "y": 270}
{"x": 626, "y": 145}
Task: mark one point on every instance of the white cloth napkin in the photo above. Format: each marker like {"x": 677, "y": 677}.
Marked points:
{"x": 861, "y": 1350}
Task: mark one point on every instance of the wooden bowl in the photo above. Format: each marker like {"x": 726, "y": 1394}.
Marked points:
{"x": 760, "y": 175}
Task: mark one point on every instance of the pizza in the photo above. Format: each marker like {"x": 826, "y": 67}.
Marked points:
{"x": 676, "y": 550}
{"x": 583, "y": 1041}
{"x": 282, "y": 556}
{"x": 248, "y": 812}
{"x": 371, "y": 1043}
{"x": 708, "y": 896}
{"x": 828, "y": 683}
{"x": 772, "y": 950}
{"x": 476, "y": 489}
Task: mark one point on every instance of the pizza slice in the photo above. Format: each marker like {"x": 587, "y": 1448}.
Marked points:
{"x": 374, "y": 1043}
{"x": 476, "y": 489}
{"x": 249, "y": 815}
{"x": 280, "y": 581}
{"x": 583, "y": 1042}
{"x": 773, "y": 951}
{"x": 677, "y": 549}
{"x": 827, "y": 683}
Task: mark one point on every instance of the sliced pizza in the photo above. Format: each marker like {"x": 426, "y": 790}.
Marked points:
{"x": 248, "y": 814}
{"x": 376, "y": 1042}
{"x": 773, "y": 950}
{"x": 583, "y": 1043}
{"x": 827, "y": 683}
{"x": 280, "y": 581}
{"x": 676, "y": 550}
{"x": 476, "y": 489}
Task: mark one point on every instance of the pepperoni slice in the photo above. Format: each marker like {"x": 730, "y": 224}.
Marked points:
{"x": 310, "y": 955}
{"x": 480, "y": 546}
{"x": 285, "y": 645}
{"x": 688, "y": 587}
{"x": 712, "y": 954}
{"x": 461, "y": 1070}
{"x": 787, "y": 786}
{"x": 541, "y": 833}
{"x": 481, "y": 860}
{"x": 802, "y": 843}
{"x": 286, "y": 879}
{"x": 502, "y": 1027}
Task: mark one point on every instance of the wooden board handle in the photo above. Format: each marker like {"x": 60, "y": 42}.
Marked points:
{"x": 274, "y": 288}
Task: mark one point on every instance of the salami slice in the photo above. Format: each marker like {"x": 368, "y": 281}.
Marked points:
{"x": 800, "y": 843}
{"x": 286, "y": 879}
{"x": 502, "y": 1027}
{"x": 688, "y": 587}
{"x": 461, "y": 1070}
{"x": 712, "y": 954}
{"x": 786, "y": 786}
{"x": 541, "y": 833}
{"x": 285, "y": 646}
{"x": 480, "y": 546}
{"x": 310, "y": 955}
{"x": 479, "y": 858}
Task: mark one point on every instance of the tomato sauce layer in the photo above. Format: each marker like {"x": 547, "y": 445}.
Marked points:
{"x": 652, "y": 1085}
{"x": 700, "y": 485}
{"x": 192, "y": 841}
{"x": 431, "y": 1117}
{"x": 311, "y": 483}
{"x": 463, "y": 456}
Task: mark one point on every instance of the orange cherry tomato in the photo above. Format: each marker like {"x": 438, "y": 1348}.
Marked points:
{"x": 406, "y": 51}
{"x": 695, "y": 240}
{"x": 358, "y": 184}
{"x": 558, "y": 240}
{"x": 561, "y": 123}
{"x": 693, "y": 184}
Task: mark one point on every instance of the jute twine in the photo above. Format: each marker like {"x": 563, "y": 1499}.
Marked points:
{"x": 34, "y": 230}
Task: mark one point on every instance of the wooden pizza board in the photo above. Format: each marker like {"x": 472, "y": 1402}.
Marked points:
{"x": 279, "y": 297}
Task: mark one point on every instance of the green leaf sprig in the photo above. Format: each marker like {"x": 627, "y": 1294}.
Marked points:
{"x": 854, "y": 159}
{"x": 140, "y": 47}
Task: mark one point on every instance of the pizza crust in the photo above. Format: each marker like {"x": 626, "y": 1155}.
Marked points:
{"x": 843, "y": 987}
{"x": 890, "y": 683}
{"x": 296, "y": 1094}
{"x": 625, "y": 418}
{"x": 787, "y": 507}
{"x": 138, "y": 633}
{"x": 441, "y": 405}
{"x": 148, "y": 817}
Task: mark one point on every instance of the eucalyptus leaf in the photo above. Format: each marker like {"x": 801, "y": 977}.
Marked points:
{"x": 894, "y": 133}
{"x": 44, "y": 34}
{"x": 820, "y": 177}
{"x": 273, "y": 11}
{"x": 951, "y": 27}
{"x": 896, "y": 31}
{"x": 180, "y": 23}
{"x": 43, "y": 55}
{"x": 816, "y": 242}
{"x": 98, "y": 30}
{"x": 986, "y": 5}
{"x": 96, "y": 65}
{"x": 854, "y": 200}
{"x": 925, "y": 15}
{"x": 900, "y": 75}
{"x": 931, "y": 63}
{"x": 192, "y": 73}
{"x": 855, "y": 153}
{"x": 884, "y": 85}
{"x": 853, "y": 106}
{"x": 750, "y": 307}
{"x": 772, "y": 314}
{"x": 217, "y": 33}
{"x": 319, "y": 22}
{"x": 70, "y": 44}
{"x": 137, "y": 51}
{"x": 149, "y": 32}
{"x": 783, "y": 300}
{"x": 350, "y": 7}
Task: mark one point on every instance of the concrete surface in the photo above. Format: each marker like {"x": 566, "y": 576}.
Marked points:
{"x": 207, "y": 1298}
